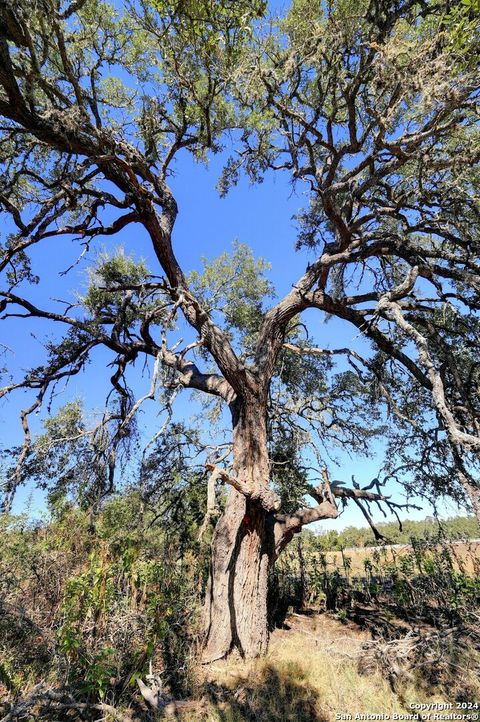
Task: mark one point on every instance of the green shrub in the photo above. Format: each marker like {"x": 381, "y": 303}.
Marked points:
{"x": 104, "y": 604}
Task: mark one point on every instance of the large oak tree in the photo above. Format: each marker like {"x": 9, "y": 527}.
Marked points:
{"x": 371, "y": 107}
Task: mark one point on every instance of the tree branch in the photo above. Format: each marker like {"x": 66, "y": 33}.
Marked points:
{"x": 261, "y": 495}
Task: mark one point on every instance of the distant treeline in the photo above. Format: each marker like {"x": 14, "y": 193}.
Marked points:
{"x": 458, "y": 527}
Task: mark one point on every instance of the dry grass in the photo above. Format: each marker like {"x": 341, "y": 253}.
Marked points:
{"x": 466, "y": 555}
{"x": 317, "y": 668}
{"x": 310, "y": 674}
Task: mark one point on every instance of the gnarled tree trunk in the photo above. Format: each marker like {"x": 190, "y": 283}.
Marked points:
{"x": 248, "y": 538}
{"x": 242, "y": 548}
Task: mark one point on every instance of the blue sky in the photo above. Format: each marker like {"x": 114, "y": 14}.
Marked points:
{"x": 260, "y": 216}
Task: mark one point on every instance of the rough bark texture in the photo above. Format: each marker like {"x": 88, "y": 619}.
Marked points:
{"x": 242, "y": 549}
{"x": 248, "y": 538}
{"x": 473, "y": 492}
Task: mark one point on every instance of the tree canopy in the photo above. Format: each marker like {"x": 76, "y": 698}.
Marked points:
{"x": 371, "y": 109}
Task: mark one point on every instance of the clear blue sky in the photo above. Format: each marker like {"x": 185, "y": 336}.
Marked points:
{"x": 260, "y": 216}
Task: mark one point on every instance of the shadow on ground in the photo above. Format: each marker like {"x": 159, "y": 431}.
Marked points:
{"x": 379, "y": 621}
{"x": 277, "y": 693}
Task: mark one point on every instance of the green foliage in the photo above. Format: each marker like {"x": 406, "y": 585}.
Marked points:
{"x": 287, "y": 473}
{"x": 304, "y": 375}
{"x": 432, "y": 580}
{"x": 198, "y": 46}
{"x": 429, "y": 579}
{"x": 327, "y": 408}
{"x": 119, "y": 294}
{"x": 235, "y": 285}
{"x": 69, "y": 460}
{"x": 111, "y": 271}
{"x": 463, "y": 25}
{"x": 211, "y": 24}
{"x": 92, "y": 609}
{"x": 121, "y": 585}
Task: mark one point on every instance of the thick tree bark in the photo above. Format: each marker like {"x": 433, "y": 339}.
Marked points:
{"x": 473, "y": 491}
{"x": 248, "y": 538}
{"x": 242, "y": 549}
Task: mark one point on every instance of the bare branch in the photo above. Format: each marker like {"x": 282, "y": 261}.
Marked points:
{"x": 263, "y": 496}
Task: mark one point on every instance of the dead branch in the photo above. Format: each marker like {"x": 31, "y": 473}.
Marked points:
{"x": 262, "y": 495}
{"x": 56, "y": 700}
{"x": 211, "y": 501}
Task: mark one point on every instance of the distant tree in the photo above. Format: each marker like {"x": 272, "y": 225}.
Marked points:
{"x": 371, "y": 107}
{"x": 458, "y": 527}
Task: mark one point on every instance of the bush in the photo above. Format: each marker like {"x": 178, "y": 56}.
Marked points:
{"x": 91, "y": 610}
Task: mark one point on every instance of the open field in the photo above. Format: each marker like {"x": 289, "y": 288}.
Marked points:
{"x": 466, "y": 556}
